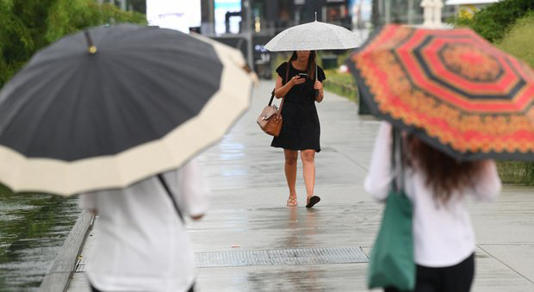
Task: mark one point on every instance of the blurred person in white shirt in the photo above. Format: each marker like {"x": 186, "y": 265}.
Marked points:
{"x": 437, "y": 185}
{"x": 141, "y": 242}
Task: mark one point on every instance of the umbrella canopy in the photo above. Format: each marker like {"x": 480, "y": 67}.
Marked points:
{"x": 314, "y": 36}
{"x": 451, "y": 88}
{"x": 115, "y": 105}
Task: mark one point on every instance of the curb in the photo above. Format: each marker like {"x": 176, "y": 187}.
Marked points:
{"x": 59, "y": 275}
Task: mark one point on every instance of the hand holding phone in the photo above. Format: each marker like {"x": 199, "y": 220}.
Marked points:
{"x": 297, "y": 79}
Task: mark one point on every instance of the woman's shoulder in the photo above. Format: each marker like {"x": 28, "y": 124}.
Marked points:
{"x": 282, "y": 66}
{"x": 281, "y": 69}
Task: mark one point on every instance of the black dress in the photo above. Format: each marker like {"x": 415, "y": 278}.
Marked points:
{"x": 300, "y": 127}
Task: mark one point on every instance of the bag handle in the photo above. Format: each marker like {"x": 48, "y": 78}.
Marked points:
{"x": 272, "y": 93}
{"x": 170, "y": 193}
{"x": 397, "y": 184}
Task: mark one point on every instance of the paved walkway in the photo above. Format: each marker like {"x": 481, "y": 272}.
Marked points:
{"x": 248, "y": 226}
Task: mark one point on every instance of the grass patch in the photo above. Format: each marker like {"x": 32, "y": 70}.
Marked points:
{"x": 516, "y": 172}
{"x": 341, "y": 84}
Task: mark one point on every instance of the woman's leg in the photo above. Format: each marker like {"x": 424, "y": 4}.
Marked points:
{"x": 290, "y": 168}
{"x": 427, "y": 279}
{"x": 459, "y": 277}
{"x": 308, "y": 165}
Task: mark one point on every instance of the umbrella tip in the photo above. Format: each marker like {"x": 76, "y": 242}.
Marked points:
{"x": 315, "y": 15}
{"x": 91, "y": 47}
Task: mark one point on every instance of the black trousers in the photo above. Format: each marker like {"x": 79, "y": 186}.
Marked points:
{"x": 457, "y": 278}
{"x": 93, "y": 289}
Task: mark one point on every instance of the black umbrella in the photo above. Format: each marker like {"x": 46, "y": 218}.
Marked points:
{"x": 112, "y": 105}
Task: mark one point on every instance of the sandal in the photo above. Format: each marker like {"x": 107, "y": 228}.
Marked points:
{"x": 312, "y": 201}
{"x": 292, "y": 201}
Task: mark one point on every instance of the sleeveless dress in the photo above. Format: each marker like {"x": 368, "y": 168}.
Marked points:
{"x": 300, "y": 127}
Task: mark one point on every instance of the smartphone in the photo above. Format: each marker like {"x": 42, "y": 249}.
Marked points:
{"x": 303, "y": 75}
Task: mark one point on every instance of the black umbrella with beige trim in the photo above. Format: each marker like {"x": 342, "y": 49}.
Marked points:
{"x": 115, "y": 104}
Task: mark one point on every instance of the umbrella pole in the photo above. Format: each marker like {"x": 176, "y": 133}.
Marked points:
{"x": 316, "y": 91}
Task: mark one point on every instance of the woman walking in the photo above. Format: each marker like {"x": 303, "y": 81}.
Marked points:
{"x": 141, "y": 242}
{"x": 301, "y": 129}
{"x": 437, "y": 185}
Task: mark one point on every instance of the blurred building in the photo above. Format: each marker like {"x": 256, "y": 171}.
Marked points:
{"x": 249, "y": 24}
{"x": 403, "y": 11}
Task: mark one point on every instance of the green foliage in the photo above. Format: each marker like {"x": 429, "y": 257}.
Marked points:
{"x": 516, "y": 172}
{"x": 519, "y": 41}
{"x": 29, "y": 25}
{"x": 341, "y": 84}
{"x": 494, "y": 21}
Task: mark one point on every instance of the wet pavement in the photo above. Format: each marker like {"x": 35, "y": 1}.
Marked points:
{"x": 248, "y": 215}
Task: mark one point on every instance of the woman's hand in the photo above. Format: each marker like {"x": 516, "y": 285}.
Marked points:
{"x": 296, "y": 80}
{"x": 318, "y": 85}
{"x": 197, "y": 217}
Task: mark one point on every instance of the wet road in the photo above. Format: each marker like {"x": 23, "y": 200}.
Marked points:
{"x": 258, "y": 244}
{"x": 248, "y": 210}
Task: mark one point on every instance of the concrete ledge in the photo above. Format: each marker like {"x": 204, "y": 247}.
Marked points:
{"x": 57, "y": 279}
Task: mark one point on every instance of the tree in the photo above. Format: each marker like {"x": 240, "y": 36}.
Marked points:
{"x": 495, "y": 20}
{"x": 29, "y": 25}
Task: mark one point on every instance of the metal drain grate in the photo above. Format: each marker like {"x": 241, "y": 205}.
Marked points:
{"x": 296, "y": 256}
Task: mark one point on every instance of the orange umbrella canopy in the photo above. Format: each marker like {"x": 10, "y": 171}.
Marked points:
{"x": 451, "y": 88}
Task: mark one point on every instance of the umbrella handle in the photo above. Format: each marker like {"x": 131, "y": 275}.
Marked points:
{"x": 316, "y": 67}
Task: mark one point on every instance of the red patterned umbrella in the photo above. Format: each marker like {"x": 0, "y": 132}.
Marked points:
{"x": 451, "y": 88}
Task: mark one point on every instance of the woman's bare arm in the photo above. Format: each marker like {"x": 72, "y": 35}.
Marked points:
{"x": 281, "y": 90}
{"x": 319, "y": 86}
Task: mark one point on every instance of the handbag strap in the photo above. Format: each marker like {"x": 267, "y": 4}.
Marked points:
{"x": 170, "y": 194}
{"x": 397, "y": 184}
{"x": 272, "y": 93}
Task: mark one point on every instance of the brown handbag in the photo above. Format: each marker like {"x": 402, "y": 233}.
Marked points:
{"x": 270, "y": 119}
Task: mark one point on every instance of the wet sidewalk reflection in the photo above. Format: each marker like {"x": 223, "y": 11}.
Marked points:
{"x": 254, "y": 241}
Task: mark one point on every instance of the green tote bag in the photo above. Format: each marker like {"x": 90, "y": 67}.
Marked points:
{"x": 392, "y": 260}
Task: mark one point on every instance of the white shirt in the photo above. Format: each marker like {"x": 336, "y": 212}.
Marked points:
{"x": 443, "y": 235}
{"x": 141, "y": 244}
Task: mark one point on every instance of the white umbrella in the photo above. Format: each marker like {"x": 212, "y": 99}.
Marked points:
{"x": 312, "y": 36}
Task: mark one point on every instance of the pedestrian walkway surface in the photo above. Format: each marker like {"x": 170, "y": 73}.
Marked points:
{"x": 249, "y": 240}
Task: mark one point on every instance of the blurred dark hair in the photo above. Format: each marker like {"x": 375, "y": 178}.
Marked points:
{"x": 311, "y": 63}
{"x": 442, "y": 173}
